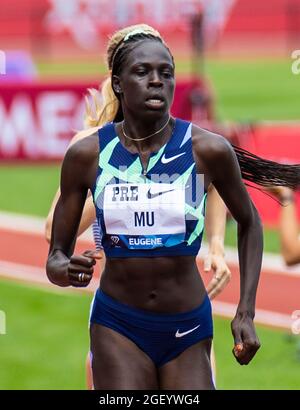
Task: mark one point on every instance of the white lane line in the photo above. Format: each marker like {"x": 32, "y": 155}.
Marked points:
{"x": 271, "y": 261}
{"x": 22, "y": 223}
{"x": 30, "y": 224}
{"x": 263, "y": 317}
{"x": 35, "y": 275}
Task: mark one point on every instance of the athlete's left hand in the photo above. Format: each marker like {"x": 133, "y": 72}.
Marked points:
{"x": 246, "y": 342}
{"x": 215, "y": 263}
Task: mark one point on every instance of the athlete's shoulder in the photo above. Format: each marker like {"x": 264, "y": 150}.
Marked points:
{"x": 84, "y": 149}
{"x": 209, "y": 146}
{"x": 83, "y": 134}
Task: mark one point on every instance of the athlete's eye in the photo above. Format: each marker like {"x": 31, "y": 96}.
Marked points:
{"x": 140, "y": 72}
{"x": 167, "y": 73}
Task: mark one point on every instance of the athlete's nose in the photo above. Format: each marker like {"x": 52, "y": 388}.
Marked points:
{"x": 155, "y": 78}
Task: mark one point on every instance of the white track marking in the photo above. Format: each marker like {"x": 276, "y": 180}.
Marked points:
{"x": 30, "y": 224}
{"x": 271, "y": 261}
{"x": 264, "y": 317}
{"x": 35, "y": 275}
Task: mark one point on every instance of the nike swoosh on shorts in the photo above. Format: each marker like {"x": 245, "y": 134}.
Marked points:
{"x": 178, "y": 334}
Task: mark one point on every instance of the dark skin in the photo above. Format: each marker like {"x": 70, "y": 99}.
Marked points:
{"x": 155, "y": 284}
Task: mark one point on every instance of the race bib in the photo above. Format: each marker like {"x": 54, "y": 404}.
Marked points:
{"x": 144, "y": 209}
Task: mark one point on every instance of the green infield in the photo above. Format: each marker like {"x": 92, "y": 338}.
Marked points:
{"x": 46, "y": 339}
{"x": 255, "y": 90}
{"x": 46, "y": 343}
{"x": 28, "y": 189}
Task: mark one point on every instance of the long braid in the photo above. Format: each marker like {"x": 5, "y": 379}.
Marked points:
{"x": 267, "y": 173}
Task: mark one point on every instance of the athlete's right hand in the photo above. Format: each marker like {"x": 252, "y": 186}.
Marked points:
{"x": 246, "y": 342}
{"x": 80, "y": 268}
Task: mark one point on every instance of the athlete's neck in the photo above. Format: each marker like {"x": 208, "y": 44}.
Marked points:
{"x": 137, "y": 130}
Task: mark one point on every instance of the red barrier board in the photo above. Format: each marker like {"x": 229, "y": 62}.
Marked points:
{"x": 280, "y": 143}
{"x": 37, "y": 121}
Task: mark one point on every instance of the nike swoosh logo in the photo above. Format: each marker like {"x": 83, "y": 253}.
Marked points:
{"x": 185, "y": 333}
{"x": 165, "y": 160}
{"x": 151, "y": 196}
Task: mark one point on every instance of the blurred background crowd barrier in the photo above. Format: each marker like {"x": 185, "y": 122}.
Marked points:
{"x": 80, "y": 27}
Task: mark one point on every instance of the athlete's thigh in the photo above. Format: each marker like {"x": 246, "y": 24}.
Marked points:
{"x": 118, "y": 363}
{"x": 190, "y": 370}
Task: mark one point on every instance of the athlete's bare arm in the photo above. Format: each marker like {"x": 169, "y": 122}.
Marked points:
{"x": 288, "y": 224}
{"x": 288, "y": 227}
{"x": 88, "y": 214}
{"x": 289, "y": 235}
{"x": 217, "y": 160}
{"x": 87, "y": 218}
{"x": 77, "y": 176}
{"x": 215, "y": 224}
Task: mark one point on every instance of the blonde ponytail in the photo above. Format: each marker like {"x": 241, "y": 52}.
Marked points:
{"x": 101, "y": 107}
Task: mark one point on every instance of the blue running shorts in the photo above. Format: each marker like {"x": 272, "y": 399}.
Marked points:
{"x": 161, "y": 336}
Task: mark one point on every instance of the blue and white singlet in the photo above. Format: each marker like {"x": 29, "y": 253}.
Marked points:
{"x": 154, "y": 212}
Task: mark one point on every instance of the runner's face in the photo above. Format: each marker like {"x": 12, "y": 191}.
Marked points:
{"x": 147, "y": 80}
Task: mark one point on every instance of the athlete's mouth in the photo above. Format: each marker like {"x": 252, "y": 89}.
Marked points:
{"x": 155, "y": 101}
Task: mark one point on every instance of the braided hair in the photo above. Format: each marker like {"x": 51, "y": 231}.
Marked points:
{"x": 267, "y": 173}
